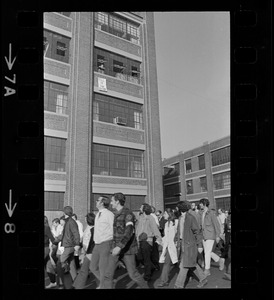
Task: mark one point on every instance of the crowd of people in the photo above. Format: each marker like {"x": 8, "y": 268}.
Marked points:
{"x": 186, "y": 237}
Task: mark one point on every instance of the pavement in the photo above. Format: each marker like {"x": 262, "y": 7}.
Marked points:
{"x": 122, "y": 281}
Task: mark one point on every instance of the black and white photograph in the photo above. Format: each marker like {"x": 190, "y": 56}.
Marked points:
{"x": 137, "y": 189}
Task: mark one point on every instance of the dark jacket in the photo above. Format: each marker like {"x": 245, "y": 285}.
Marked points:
{"x": 91, "y": 241}
{"x": 192, "y": 239}
{"x": 211, "y": 228}
{"x": 48, "y": 236}
{"x": 124, "y": 231}
{"x": 71, "y": 236}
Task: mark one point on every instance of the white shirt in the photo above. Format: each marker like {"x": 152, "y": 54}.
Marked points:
{"x": 156, "y": 219}
{"x": 86, "y": 236}
{"x": 57, "y": 231}
{"x": 103, "y": 227}
{"x": 80, "y": 229}
{"x": 182, "y": 223}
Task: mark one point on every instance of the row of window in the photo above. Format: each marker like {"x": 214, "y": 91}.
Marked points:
{"x": 118, "y": 26}
{"x": 116, "y": 65}
{"x": 117, "y": 161}
{"x": 56, "y": 46}
{"x": 55, "y": 97}
{"x": 114, "y": 110}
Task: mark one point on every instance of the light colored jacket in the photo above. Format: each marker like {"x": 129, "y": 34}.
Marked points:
{"x": 168, "y": 242}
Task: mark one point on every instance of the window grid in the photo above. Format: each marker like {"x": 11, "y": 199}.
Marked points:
{"x": 54, "y": 201}
{"x": 55, "y": 97}
{"x": 107, "y": 109}
{"x": 117, "y": 161}
{"x": 55, "y": 153}
{"x": 118, "y": 26}
{"x": 223, "y": 203}
{"x": 201, "y": 159}
{"x": 116, "y": 66}
{"x": 220, "y": 156}
{"x": 221, "y": 180}
{"x": 188, "y": 166}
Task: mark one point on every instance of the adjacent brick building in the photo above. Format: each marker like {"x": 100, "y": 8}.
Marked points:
{"x": 203, "y": 172}
{"x": 101, "y": 113}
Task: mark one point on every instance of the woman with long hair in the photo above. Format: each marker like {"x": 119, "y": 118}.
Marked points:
{"x": 169, "y": 253}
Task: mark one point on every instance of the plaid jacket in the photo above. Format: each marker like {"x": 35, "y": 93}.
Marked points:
{"x": 123, "y": 234}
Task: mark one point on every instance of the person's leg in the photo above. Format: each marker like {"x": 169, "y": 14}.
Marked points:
{"x": 105, "y": 249}
{"x": 110, "y": 271}
{"x": 129, "y": 260}
{"x": 208, "y": 244}
{"x": 65, "y": 258}
{"x": 155, "y": 254}
{"x": 166, "y": 270}
{"x": 181, "y": 277}
{"x": 82, "y": 276}
{"x": 94, "y": 264}
{"x": 146, "y": 249}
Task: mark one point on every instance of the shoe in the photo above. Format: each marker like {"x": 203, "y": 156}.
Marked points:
{"x": 61, "y": 287}
{"x": 207, "y": 272}
{"x": 162, "y": 284}
{"x": 202, "y": 283}
{"x": 221, "y": 264}
{"x": 177, "y": 287}
{"x": 51, "y": 285}
{"x": 227, "y": 276}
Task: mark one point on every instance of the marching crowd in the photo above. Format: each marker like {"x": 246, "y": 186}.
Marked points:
{"x": 186, "y": 237}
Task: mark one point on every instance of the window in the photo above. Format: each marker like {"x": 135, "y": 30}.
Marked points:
{"x": 201, "y": 160}
{"x": 107, "y": 109}
{"x": 54, "y": 201}
{"x": 118, "y": 26}
{"x": 101, "y": 63}
{"x": 55, "y": 97}
{"x": 117, "y": 161}
{"x": 56, "y": 46}
{"x": 221, "y": 180}
{"x": 203, "y": 184}
{"x": 55, "y": 153}
{"x": 172, "y": 171}
{"x": 220, "y": 156}
{"x": 223, "y": 203}
{"x": 189, "y": 187}
{"x": 188, "y": 166}
{"x": 172, "y": 190}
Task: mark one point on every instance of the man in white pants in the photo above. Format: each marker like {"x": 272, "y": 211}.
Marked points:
{"x": 211, "y": 231}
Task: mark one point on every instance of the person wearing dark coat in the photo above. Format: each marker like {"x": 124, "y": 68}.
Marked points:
{"x": 189, "y": 242}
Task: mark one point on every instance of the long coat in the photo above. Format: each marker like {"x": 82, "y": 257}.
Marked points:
{"x": 192, "y": 239}
{"x": 168, "y": 242}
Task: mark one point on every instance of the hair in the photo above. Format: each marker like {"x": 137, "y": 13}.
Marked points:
{"x": 74, "y": 215}
{"x": 204, "y": 201}
{"x": 171, "y": 216}
{"x": 120, "y": 197}
{"x": 153, "y": 209}
{"x": 159, "y": 211}
{"x": 62, "y": 218}
{"x": 146, "y": 208}
{"x": 56, "y": 220}
{"x": 105, "y": 200}
{"x": 90, "y": 218}
{"x": 68, "y": 210}
{"x": 46, "y": 221}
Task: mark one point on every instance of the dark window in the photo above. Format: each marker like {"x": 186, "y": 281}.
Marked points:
{"x": 172, "y": 190}
{"x": 189, "y": 187}
{"x": 55, "y": 97}
{"x": 54, "y": 201}
{"x": 188, "y": 166}
{"x": 117, "y": 111}
{"x": 203, "y": 184}
{"x": 56, "y": 46}
{"x": 221, "y": 180}
{"x": 220, "y": 156}
{"x": 223, "y": 203}
{"x": 55, "y": 153}
{"x": 172, "y": 171}
{"x": 201, "y": 160}
{"x": 117, "y": 161}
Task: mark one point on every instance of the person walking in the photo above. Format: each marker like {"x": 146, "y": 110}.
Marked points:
{"x": 189, "y": 243}
{"x": 70, "y": 240}
{"x": 80, "y": 280}
{"x": 211, "y": 232}
{"x": 169, "y": 252}
{"x": 103, "y": 237}
{"x": 146, "y": 230}
{"x": 124, "y": 243}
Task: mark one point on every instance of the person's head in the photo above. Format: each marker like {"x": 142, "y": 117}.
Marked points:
{"x": 183, "y": 206}
{"x": 102, "y": 202}
{"x": 74, "y": 216}
{"x": 193, "y": 206}
{"x": 46, "y": 221}
{"x": 55, "y": 222}
{"x": 220, "y": 211}
{"x": 170, "y": 216}
{"x": 118, "y": 200}
{"x": 227, "y": 213}
{"x": 62, "y": 221}
{"x": 68, "y": 211}
{"x": 146, "y": 208}
{"x": 176, "y": 207}
{"x": 158, "y": 213}
{"x": 153, "y": 209}
{"x": 204, "y": 203}
{"x": 90, "y": 217}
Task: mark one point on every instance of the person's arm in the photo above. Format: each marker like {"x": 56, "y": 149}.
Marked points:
{"x": 50, "y": 235}
{"x": 155, "y": 230}
{"x": 75, "y": 232}
{"x": 216, "y": 225}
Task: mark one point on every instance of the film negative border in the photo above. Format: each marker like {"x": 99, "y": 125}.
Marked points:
{"x": 23, "y": 163}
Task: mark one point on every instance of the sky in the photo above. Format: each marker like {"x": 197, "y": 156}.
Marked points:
{"x": 193, "y": 72}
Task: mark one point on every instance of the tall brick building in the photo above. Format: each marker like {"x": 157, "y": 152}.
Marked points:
{"x": 203, "y": 172}
{"x": 101, "y": 113}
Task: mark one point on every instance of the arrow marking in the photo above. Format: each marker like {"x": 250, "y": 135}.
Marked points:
{"x": 10, "y": 62}
{"x": 10, "y": 210}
